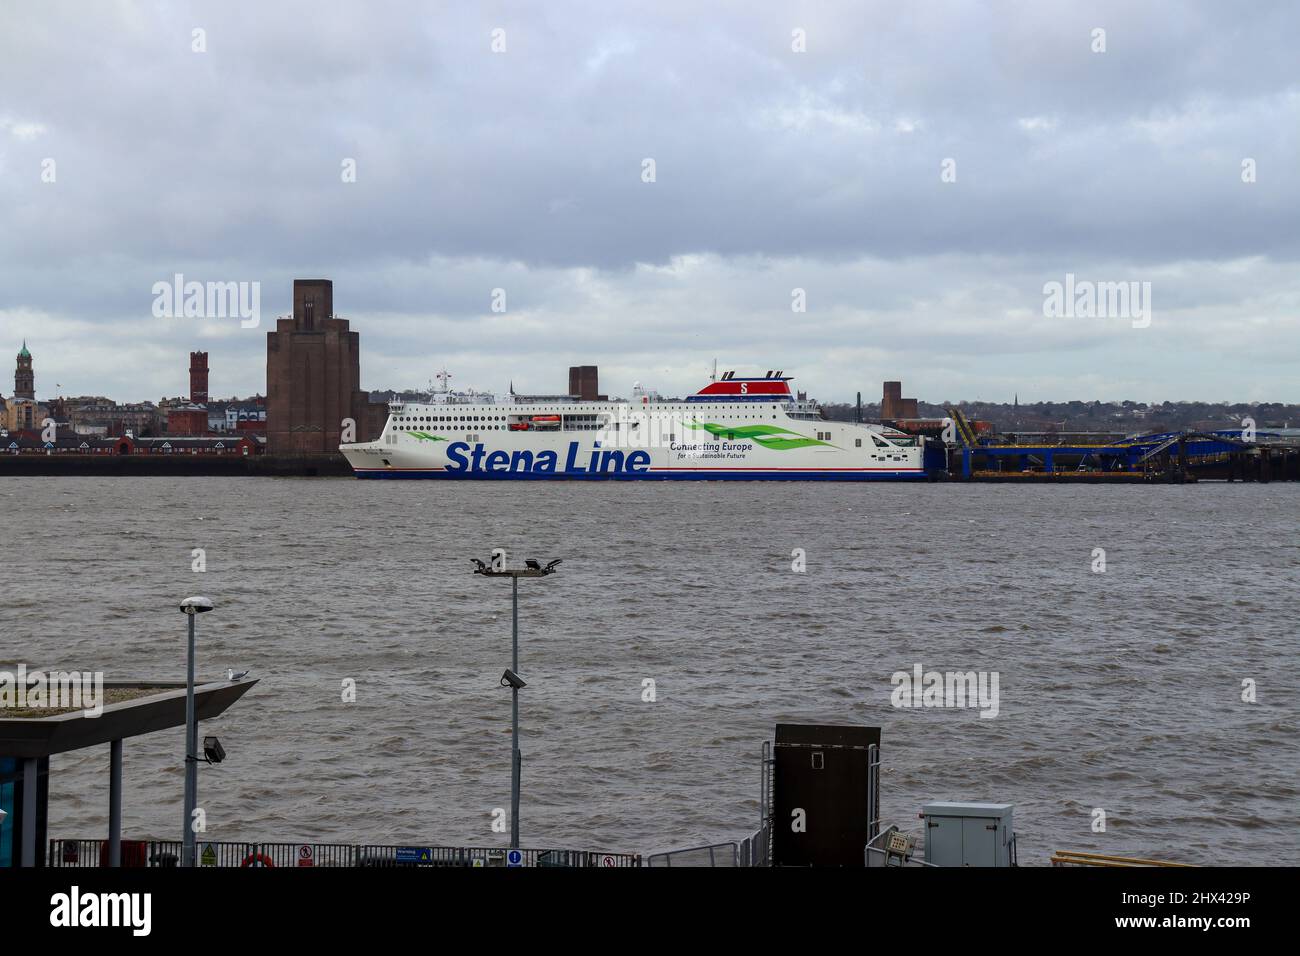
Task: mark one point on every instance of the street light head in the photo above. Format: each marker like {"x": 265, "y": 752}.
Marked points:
{"x": 213, "y": 750}
{"x": 511, "y": 679}
{"x": 551, "y": 566}
{"x": 195, "y": 605}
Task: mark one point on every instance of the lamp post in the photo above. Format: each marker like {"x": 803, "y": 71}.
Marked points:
{"x": 191, "y": 607}
{"x": 511, "y": 678}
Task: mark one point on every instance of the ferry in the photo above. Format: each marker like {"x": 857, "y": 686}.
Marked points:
{"x": 746, "y": 428}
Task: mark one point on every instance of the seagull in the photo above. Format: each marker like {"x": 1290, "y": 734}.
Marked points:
{"x": 532, "y": 565}
{"x": 231, "y": 675}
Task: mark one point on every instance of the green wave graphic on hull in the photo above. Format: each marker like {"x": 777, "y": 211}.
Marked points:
{"x": 425, "y": 436}
{"x": 769, "y": 436}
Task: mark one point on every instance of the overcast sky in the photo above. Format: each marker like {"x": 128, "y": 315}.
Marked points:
{"x": 774, "y": 170}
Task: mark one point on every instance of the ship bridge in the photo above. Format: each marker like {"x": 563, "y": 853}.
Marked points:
{"x": 772, "y": 387}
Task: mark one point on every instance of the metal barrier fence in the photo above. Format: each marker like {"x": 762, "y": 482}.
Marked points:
{"x": 146, "y": 853}
{"x": 715, "y": 854}
{"x": 751, "y": 851}
{"x": 211, "y": 853}
{"x": 309, "y": 854}
{"x": 754, "y": 850}
{"x": 391, "y": 855}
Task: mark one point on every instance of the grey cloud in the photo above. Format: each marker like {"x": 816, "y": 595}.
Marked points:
{"x": 522, "y": 170}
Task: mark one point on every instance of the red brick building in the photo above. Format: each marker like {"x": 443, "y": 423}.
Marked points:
{"x": 190, "y": 420}
{"x": 313, "y": 377}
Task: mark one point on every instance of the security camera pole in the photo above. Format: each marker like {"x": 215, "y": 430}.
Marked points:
{"x": 191, "y": 607}
{"x": 533, "y": 570}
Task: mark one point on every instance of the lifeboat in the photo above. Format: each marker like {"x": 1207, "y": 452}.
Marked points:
{"x": 547, "y": 419}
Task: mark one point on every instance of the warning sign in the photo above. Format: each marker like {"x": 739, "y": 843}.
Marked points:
{"x": 414, "y": 854}
{"x": 608, "y": 861}
{"x": 208, "y": 857}
{"x": 306, "y": 855}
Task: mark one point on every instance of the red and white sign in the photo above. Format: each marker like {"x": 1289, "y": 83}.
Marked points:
{"x": 608, "y": 861}
{"x": 306, "y": 855}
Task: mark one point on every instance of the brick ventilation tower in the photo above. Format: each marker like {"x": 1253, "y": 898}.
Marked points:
{"x": 584, "y": 382}
{"x": 199, "y": 378}
{"x": 24, "y": 377}
{"x": 894, "y": 406}
{"x": 313, "y": 377}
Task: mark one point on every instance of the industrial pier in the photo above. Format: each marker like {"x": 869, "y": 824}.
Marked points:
{"x": 1169, "y": 457}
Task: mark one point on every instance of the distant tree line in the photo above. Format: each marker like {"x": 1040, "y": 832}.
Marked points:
{"x": 1126, "y": 416}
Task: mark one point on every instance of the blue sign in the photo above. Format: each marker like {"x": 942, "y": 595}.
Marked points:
{"x": 414, "y": 854}
{"x": 515, "y": 858}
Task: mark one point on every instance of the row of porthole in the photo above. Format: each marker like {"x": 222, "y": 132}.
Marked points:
{"x": 501, "y": 418}
{"x": 416, "y": 428}
{"x": 570, "y": 428}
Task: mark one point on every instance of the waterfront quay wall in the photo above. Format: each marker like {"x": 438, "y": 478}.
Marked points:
{"x": 124, "y": 466}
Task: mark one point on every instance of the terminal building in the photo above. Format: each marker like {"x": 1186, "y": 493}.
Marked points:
{"x": 30, "y": 736}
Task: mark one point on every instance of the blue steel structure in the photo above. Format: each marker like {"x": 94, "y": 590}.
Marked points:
{"x": 1130, "y": 456}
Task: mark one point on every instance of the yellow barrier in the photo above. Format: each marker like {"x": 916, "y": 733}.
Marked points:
{"x": 1073, "y": 858}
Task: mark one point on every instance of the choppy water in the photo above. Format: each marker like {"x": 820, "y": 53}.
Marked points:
{"x": 1119, "y": 690}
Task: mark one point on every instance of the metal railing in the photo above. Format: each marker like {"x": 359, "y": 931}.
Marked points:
{"x": 754, "y": 851}
{"x": 391, "y": 855}
{"x": 225, "y": 854}
{"x": 751, "y": 851}
{"x": 873, "y": 792}
{"x": 766, "y": 771}
{"x": 877, "y": 845}
{"x": 714, "y": 854}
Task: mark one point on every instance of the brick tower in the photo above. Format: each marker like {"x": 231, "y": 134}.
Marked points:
{"x": 313, "y": 377}
{"x": 199, "y": 378}
{"x": 894, "y": 406}
{"x": 24, "y": 377}
{"x": 584, "y": 382}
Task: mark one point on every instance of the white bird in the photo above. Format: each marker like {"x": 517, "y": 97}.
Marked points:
{"x": 231, "y": 675}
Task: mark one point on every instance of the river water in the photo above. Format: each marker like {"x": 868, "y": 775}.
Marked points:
{"x": 1118, "y": 690}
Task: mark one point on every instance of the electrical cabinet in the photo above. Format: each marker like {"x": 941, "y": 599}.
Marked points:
{"x": 969, "y": 834}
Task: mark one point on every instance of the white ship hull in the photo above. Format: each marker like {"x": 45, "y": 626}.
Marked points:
{"x": 691, "y": 440}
